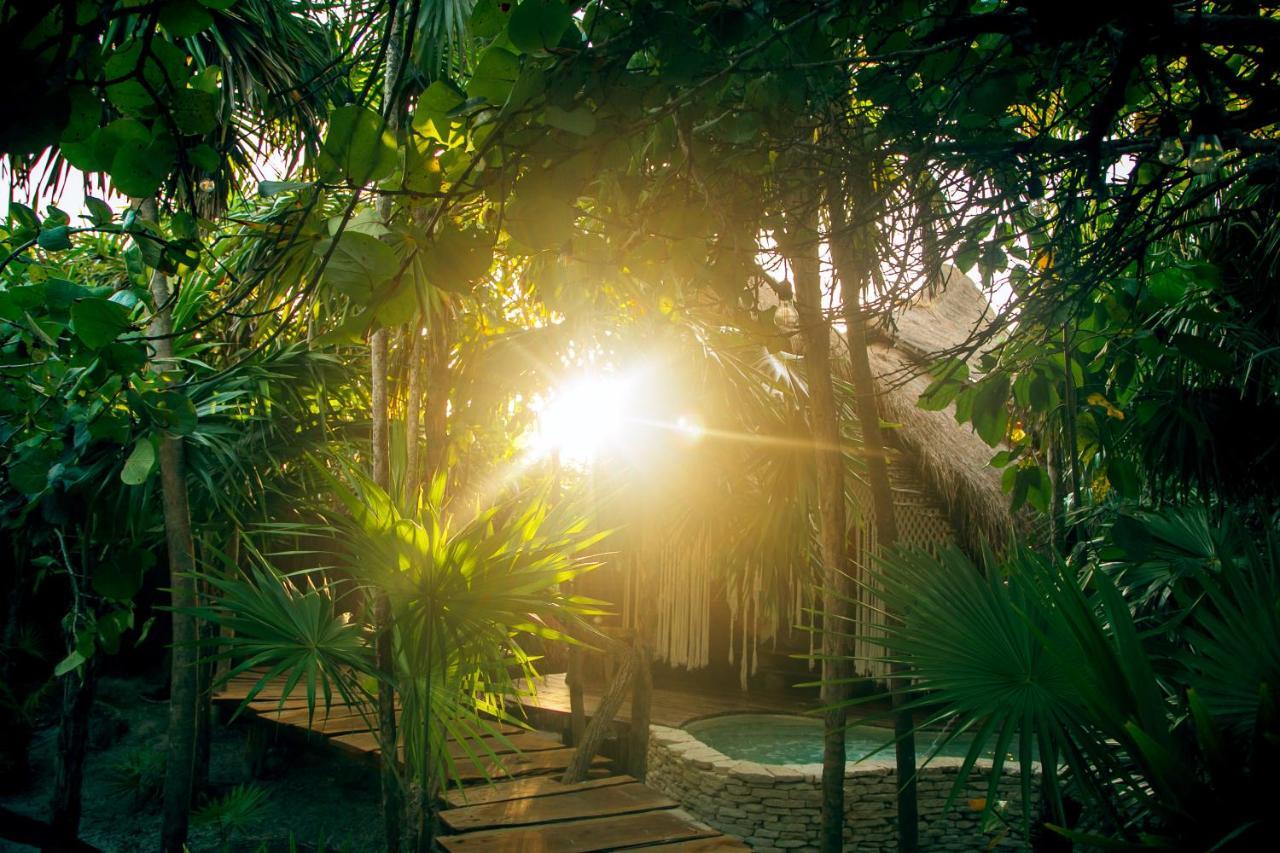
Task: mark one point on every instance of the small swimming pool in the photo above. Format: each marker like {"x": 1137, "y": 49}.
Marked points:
{"x": 785, "y": 739}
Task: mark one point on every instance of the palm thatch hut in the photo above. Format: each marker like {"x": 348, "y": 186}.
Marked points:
{"x": 743, "y": 614}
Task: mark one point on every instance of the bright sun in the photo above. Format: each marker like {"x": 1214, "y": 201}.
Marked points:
{"x": 581, "y": 419}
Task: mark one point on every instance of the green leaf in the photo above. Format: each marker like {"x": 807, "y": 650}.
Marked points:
{"x": 163, "y": 67}
{"x": 456, "y": 258}
{"x": 581, "y": 121}
{"x": 358, "y": 147}
{"x": 267, "y": 189}
{"x": 29, "y": 473}
{"x": 360, "y": 265}
{"x": 100, "y": 212}
{"x": 124, "y": 358}
{"x": 495, "y": 74}
{"x": 171, "y": 411}
{"x": 537, "y": 25}
{"x": 69, "y": 663}
{"x": 205, "y": 158}
{"x": 97, "y": 322}
{"x": 137, "y": 468}
{"x": 488, "y": 18}
{"x": 120, "y": 577}
{"x": 55, "y": 239}
{"x": 1203, "y": 352}
{"x": 184, "y": 18}
{"x": 140, "y": 166}
{"x": 194, "y": 112}
{"x": 990, "y": 409}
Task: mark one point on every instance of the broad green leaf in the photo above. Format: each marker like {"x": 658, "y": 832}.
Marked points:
{"x": 537, "y": 25}
{"x": 119, "y": 577}
{"x": 495, "y": 73}
{"x": 184, "y": 18}
{"x": 100, "y": 212}
{"x": 162, "y": 65}
{"x": 29, "y": 472}
{"x": 97, "y": 322}
{"x": 360, "y": 265}
{"x": 55, "y": 239}
{"x": 137, "y": 468}
{"x": 172, "y": 411}
{"x": 580, "y": 121}
{"x": 69, "y": 663}
{"x": 204, "y": 157}
{"x": 358, "y": 147}
{"x": 194, "y": 112}
{"x": 990, "y": 409}
{"x": 140, "y": 166}
{"x": 1203, "y": 352}
{"x": 268, "y": 189}
{"x": 488, "y": 18}
{"x": 456, "y": 258}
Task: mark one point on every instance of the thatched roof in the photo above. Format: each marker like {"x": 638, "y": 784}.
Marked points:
{"x": 950, "y": 459}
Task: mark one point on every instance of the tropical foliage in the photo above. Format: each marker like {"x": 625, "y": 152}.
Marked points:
{"x": 337, "y": 257}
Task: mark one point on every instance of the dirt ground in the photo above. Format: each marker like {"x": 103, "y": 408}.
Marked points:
{"x": 314, "y": 801}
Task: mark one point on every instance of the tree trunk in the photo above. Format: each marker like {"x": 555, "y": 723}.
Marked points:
{"x": 801, "y": 249}
{"x": 852, "y": 265}
{"x": 436, "y": 408}
{"x": 413, "y": 475}
{"x": 393, "y": 814}
{"x": 610, "y": 703}
{"x": 181, "y": 548}
{"x": 641, "y": 704}
{"x": 392, "y": 801}
{"x": 78, "y": 690}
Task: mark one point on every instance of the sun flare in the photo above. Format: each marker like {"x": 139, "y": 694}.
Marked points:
{"x": 581, "y": 419}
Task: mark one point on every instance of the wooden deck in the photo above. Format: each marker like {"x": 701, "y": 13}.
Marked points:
{"x": 506, "y": 796}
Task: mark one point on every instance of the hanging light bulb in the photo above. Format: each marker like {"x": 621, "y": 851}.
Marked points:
{"x": 1170, "y": 151}
{"x": 786, "y": 317}
{"x": 1206, "y": 153}
{"x": 1039, "y": 207}
{"x": 207, "y": 185}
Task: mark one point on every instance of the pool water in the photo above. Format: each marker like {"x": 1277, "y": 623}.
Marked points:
{"x": 782, "y": 739}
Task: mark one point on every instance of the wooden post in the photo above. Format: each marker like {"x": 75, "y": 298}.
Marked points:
{"x": 595, "y": 731}
{"x": 641, "y": 702}
{"x": 577, "y": 702}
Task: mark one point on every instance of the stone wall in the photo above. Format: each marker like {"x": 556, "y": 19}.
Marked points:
{"x": 776, "y": 807}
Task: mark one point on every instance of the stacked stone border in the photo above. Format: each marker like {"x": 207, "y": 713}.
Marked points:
{"x": 776, "y": 807}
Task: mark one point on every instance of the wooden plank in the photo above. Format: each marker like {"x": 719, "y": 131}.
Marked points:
{"x": 519, "y": 789}
{"x": 522, "y": 742}
{"x": 591, "y": 802}
{"x": 466, "y": 771}
{"x": 702, "y": 845}
{"x": 547, "y": 761}
{"x": 581, "y": 836}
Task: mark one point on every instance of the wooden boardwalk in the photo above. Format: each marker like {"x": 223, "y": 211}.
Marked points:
{"x": 511, "y": 801}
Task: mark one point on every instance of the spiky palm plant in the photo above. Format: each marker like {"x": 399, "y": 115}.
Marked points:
{"x": 1167, "y": 744}
{"x": 465, "y": 593}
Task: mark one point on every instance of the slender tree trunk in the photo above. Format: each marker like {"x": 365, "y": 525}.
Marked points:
{"x": 413, "y": 475}
{"x": 801, "y": 249}
{"x": 852, "y": 264}
{"x": 181, "y": 547}
{"x": 436, "y": 408}
{"x": 392, "y": 802}
{"x": 393, "y": 813}
{"x": 78, "y": 690}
